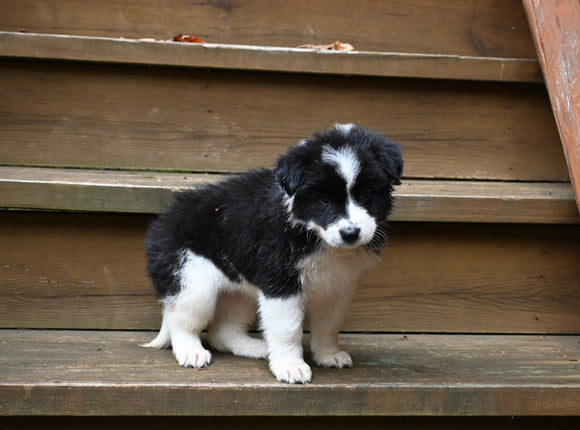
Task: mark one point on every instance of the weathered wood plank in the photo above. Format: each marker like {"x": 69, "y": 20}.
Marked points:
{"x": 162, "y": 118}
{"x": 86, "y": 373}
{"x": 506, "y": 202}
{"x": 495, "y": 28}
{"x": 93, "y": 190}
{"x": 87, "y": 271}
{"x": 151, "y": 192}
{"x": 287, "y": 60}
{"x": 556, "y": 30}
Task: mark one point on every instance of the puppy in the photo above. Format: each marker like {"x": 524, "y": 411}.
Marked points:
{"x": 284, "y": 243}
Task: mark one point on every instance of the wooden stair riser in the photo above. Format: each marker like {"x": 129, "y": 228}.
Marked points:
{"x": 115, "y": 117}
{"x": 87, "y": 271}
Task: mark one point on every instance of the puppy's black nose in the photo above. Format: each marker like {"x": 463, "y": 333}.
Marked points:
{"x": 349, "y": 234}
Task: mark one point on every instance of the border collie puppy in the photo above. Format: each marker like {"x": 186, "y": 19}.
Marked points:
{"x": 283, "y": 243}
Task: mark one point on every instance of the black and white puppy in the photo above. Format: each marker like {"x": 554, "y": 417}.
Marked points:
{"x": 284, "y": 242}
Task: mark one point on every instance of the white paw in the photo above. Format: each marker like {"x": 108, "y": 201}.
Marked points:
{"x": 194, "y": 357}
{"x": 294, "y": 372}
{"x": 338, "y": 359}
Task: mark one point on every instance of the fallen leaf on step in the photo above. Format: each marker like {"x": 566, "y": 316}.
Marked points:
{"x": 186, "y": 38}
{"x": 336, "y": 46}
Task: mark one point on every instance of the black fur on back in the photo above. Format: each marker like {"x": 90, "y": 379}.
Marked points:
{"x": 241, "y": 225}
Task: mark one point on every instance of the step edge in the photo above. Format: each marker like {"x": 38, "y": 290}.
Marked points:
{"x": 416, "y": 199}
{"x": 266, "y": 59}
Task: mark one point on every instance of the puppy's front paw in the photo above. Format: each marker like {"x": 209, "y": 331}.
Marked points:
{"x": 193, "y": 357}
{"x": 338, "y": 359}
{"x": 294, "y": 372}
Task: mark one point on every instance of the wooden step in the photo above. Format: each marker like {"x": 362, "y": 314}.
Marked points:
{"x": 465, "y": 28}
{"x": 266, "y": 58}
{"x": 417, "y": 200}
{"x": 88, "y": 373}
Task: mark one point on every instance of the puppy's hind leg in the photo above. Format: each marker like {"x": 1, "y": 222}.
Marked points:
{"x": 228, "y": 331}
{"x": 185, "y": 325}
{"x": 186, "y": 314}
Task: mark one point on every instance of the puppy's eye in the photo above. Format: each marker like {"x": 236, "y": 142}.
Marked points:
{"x": 324, "y": 198}
{"x": 365, "y": 194}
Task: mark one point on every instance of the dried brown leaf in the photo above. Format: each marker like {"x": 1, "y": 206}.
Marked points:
{"x": 186, "y": 38}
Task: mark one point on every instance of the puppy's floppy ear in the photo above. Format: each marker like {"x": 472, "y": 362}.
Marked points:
{"x": 389, "y": 155}
{"x": 289, "y": 170}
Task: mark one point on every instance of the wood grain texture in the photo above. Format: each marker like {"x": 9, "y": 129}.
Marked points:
{"x": 87, "y": 272}
{"x": 160, "y": 118}
{"x": 152, "y": 192}
{"x": 88, "y": 373}
{"x": 556, "y": 30}
{"x": 495, "y": 28}
{"x": 273, "y": 59}
{"x": 485, "y": 201}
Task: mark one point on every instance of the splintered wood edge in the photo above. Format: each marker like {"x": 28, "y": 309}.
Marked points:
{"x": 416, "y": 200}
{"x": 264, "y": 58}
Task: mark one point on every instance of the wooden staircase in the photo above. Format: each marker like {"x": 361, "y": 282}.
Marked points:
{"x": 474, "y": 314}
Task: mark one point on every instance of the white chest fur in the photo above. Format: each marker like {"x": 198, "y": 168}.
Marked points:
{"x": 335, "y": 271}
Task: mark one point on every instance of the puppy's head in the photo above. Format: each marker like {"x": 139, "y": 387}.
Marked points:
{"x": 339, "y": 183}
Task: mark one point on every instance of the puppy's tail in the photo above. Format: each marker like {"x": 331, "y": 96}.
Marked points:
{"x": 163, "y": 339}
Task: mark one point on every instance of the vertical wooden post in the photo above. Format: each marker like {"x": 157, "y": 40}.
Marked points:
{"x": 555, "y": 27}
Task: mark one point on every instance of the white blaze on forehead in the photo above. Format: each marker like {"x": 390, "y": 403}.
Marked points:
{"x": 345, "y": 160}
{"x": 344, "y": 128}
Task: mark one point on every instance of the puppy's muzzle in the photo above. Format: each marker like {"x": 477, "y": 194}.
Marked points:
{"x": 350, "y": 233}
